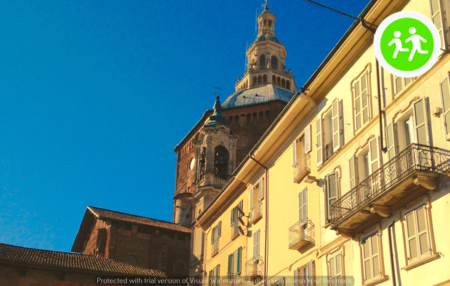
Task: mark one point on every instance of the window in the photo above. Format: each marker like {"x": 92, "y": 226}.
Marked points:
{"x": 215, "y": 235}
{"x": 329, "y": 132}
{"x": 146, "y": 230}
{"x": 445, "y": 91}
{"x": 214, "y": 276}
{"x": 335, "y": 270}
{"x": 221, "y": 162}
{"x": 124, "y": 226}
{"x": 262, "y": 62}
{"x": 417, "y": 235}
{"x": 303, "y": 211}
{"x": 101, "y": 240}
{"x": 370, "y": 253}
{"x": 437, "y": 18}
{"x": 256, "y": 196}
{"x": 361, "y": 104}
{"x": 274, "y": 63}
{"x": 304, "y": 276}
{"x": 234, "y": 263}
{"x": 331, "y": 186}
{"x": 288, "y": 84}
{"x": 400, "y": 83}
{"x": 264, "y": 78}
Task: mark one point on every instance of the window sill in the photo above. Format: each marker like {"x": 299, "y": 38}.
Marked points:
{"x": 421, "y": 262}
{"x": 376, "y": 281}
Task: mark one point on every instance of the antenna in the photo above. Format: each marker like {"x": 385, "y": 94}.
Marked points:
{"x": 218, "y": 90}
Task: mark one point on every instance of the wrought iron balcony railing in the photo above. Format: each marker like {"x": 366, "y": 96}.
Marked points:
{"x": 414, "y": 158}
{"x": 215, "y": 247}
{"x": 256, "y": 212}
{"x": 329, "y": 151}
{"x": 301, "y": 234}
{"x": 255, "y": 267}
{"x": 302, "y": 167}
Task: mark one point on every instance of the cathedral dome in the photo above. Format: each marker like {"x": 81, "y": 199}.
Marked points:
{"x": 257, "y": 95}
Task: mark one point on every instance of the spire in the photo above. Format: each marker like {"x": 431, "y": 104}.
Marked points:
{"x": 217, "y": 117}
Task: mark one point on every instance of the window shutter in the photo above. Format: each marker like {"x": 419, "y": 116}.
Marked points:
{"x": 256, "y": 244}
{"x": 331, "y": 192}
{"x": 294, "y": 153}
{"x": 251, "y": 198}
{"x": 332, "y": 266}
{"x": 422, "y": 227}
{"x": 232, "y": 216}
{"x": 300, "y": 206}
{"x": 365, "y": 99}
{"x": 230, "y": 261}
{"x": 241, "y": 209}
{"x": 446, "y": 106}
{"x": 357, "y": 105}
{"x": 352, "y": 172}
{"x": 219, "y": 229}
{"x": 261, "y": 189}
{"x": 335, "y": 118}
{"x": 374, "y": 155}
{"x": 436, "y": 17}
{"x": 210, "y": 277}
{"x": 305, "y": 204}
{"x": 309, "y": 274}
{"x": 366, "y": 259}
{"x": 319, "y": 141}
{"x": 239, "y": 261}
{"x": 339, "y": 265}
{"x": 390, "y": 141}
{"x": 421, "y": 122}
{"x": 375, "y": 256}
{"x": 411, "y": 234}
{"x": 212, "y": 235}
{"x": 217, "y": 274}
{"x": 296, "y": 277}
{"x": 307, "y": 139}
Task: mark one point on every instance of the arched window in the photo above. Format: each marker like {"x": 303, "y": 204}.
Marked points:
{"x": 236, "y": 119}
{"x": 131, "y": 259}
{"x": 230, "y": 120}
{"x": 274, "y": 80}
{"x": 254, "y": 80}
{"x": 274, "y": 63}
{"x": 259, "y": 79}
{"x": 278, "y": 81}
{"x": 221, "y": 162}
{"x": 288, "y": 84}
{"x": 261, "y": 116}
{"x": 262, "y": 62}
{"x": 255, "y": 117}
{"x": 283, "y": 83}
{"x": 249, "y": 119}
{"x": 265, "y": 78}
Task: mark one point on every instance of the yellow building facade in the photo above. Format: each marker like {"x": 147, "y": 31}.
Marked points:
{"x": 334, "y": 193}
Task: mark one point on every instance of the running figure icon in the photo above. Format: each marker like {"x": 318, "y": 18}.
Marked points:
{"x": 398, "y": 44}
{"x": 416, "y": 42}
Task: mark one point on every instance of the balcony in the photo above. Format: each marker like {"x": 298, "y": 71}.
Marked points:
{"x": 329, "y": 151}
{"x": 407, "y": 176}
{"x": 301, "y": 234}
{"x": 255, "y": 267}
{"x": 302, "y": 168}
{"x": 256, "y": 212}
{"x": 215, "y": 248}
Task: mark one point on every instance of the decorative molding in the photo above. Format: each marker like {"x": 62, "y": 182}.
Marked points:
{"x": 381, "y": 210}
{"x": 406, "y": 108}
{"x": 363, "y": 145}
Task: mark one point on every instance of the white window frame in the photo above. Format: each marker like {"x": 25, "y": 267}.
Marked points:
{"x": 417, "y": 234}
{"x": 367, "y": 241}
{"x": 357, "y": 93}
{"x": 405, "y": 82}
{"x": 332, "y": 267}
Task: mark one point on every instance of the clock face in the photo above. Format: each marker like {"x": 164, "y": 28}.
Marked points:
{"x": 192, "y": 164}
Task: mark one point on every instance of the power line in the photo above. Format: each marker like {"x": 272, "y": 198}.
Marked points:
{"x": 330, "y": 9}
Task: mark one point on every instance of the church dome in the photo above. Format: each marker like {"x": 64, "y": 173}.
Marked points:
{"x": 257, "y": 95}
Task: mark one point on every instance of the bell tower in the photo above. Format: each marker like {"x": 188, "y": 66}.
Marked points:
{"x": 266, "y": 58}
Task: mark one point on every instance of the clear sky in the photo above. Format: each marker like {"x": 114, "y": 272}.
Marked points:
{"x": 94, "y": 96}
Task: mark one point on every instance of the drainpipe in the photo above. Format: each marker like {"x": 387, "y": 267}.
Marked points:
{"x": 266, "y": 219}
{"x": 394, "y": 283}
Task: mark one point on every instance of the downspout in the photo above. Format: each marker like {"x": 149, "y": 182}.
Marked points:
{"x": 394, "y": 283}
{"x": 266, "y": 219}
{"x": 380, "y": 111}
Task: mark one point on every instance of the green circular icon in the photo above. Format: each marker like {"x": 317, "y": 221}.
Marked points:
{"x": 399, "y": 44}
{"x": 407, "y": 44}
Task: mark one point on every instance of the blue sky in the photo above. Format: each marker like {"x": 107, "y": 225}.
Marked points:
{"x": 94, "y": 96}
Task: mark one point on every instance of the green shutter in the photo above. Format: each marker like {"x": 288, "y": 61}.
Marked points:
{"x": 217, "y": 275}
{"x": 210, "y": 277}
{"x": 239, "y": 261}
{"x": 230, "y": 259}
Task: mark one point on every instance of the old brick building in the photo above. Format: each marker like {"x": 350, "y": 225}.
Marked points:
{"x": 21, "y": 266}
{"x": 134, "y": 240}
